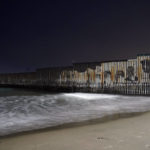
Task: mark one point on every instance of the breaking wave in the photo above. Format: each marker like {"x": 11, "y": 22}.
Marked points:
{"x": 30, "y": 112}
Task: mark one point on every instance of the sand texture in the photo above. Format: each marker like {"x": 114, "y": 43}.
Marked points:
{"x": 123, "y": 134}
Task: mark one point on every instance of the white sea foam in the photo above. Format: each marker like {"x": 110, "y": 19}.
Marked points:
{"x": 22, "y": 113}
{"x": 88, "y": 96}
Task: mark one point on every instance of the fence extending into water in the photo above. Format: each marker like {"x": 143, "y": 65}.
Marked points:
{"x": 130, "y": 76}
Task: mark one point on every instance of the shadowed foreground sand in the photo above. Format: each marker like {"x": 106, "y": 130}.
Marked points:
{"x": 123, "y": 134}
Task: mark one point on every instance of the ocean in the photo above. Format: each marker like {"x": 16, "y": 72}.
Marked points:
{"x": 23, "y": 110}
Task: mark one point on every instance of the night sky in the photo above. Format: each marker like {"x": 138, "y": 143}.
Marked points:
{"x": 35, "y": 34}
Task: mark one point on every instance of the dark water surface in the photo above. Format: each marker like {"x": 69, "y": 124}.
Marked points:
{"x": 22, "y": 110}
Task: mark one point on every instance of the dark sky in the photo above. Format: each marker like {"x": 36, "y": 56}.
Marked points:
{"x": 54, "y": 33}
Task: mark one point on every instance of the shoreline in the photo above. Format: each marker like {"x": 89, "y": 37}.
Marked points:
{"x": 104, "y": 119}
{"x": 120, "y": 134}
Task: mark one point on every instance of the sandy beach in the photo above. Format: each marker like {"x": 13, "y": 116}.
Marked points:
{"x": 131, "y": 133}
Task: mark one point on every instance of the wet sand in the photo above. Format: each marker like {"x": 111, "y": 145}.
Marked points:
{"x": 131, "y": 133}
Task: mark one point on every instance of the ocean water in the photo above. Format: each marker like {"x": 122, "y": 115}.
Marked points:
{"x": 23, "y": 110}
